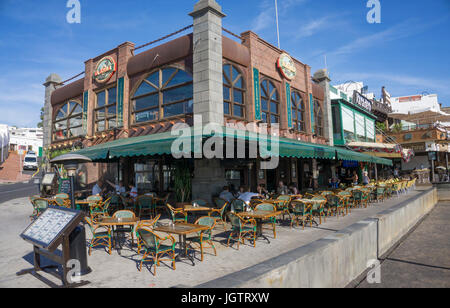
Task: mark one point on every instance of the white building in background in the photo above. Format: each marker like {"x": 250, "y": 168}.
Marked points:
{"x": 4, "y": 142}
{"x": 26, "y": 139}
{"x": 415, "y": 104}
{"x": 349, "y": 88}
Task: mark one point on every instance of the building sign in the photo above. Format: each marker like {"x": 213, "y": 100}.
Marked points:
{"x": 288, "y": 104}
{"x": 361, "y": 101}
{"x": 287, "y": 66}
{"x": 257, "y": 91}
{"x": 105, "y": 69}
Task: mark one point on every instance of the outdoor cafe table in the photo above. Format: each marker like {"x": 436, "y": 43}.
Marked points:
{"x": 115, "y": 222}
{"x": 182, "y": 230}
{"x": 259, "y": 217}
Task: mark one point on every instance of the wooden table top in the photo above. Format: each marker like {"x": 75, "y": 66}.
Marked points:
{"x": 191, "y": 208}
{"x": 109, "y": 221}
{"x": 311, "y": 201}
{"x": 260, "y": 214}
{"x": 181, "y": 228}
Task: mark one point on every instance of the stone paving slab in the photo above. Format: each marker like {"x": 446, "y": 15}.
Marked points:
{"x": 120, "y": 270}
{"x": 422, "y": 260}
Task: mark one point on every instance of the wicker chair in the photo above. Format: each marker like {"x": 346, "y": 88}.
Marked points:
{"x": 154, "y": 248}
{"x": 145, "y": 206}
{"x": 101, "y": 235}
{"x": 272, "y": 221}
{"x": 203, "y": 237}
{"x": 176, "y": 214}
{"x": 220, "y": 214}
{"x": 300, "y": 212}
{"x": 237, "y": 206}
{"x": 127, "y": 229}
{"x": 241, "y": 228}
{"x": 39, "y": 206}
{"x": 318, "y": 208}
{"x": 144, "y": 223}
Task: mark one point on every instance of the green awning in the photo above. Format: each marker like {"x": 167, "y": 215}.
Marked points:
{"x": 344, "y": 154}
{"x": 160, "y": 144}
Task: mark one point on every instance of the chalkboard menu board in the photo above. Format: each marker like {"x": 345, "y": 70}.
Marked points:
{"x": 64, "y": 186}
{"x": 50, "y": 226}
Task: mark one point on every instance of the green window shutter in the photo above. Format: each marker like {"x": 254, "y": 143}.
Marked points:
{"x": 257, "y": 91}
{"x": 120, "y": 89}
{"x": 85, "y": 109}
{"x": 311, "y": 104}
{"x": 289, "y": 104}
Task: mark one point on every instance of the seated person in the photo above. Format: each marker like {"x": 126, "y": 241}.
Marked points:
{"x": 247, "y": 195}
{"x": 119, "y": 189}
{"x": 293, "y": 190}
{"x": 226, "y": 194}
{"x": 282, "y": 189}
{"x": 133, "y": 191}
{"x": 261, "y": 190}
{"x": 241, "y": 191}
{"x": 97, "y": 190}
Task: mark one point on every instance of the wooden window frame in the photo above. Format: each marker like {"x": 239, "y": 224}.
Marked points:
{"x": 269, "y": 101}
{"x": 231, "y": 86}
{"x": 302, "y": 110}
{"x": 318, "y": 121}
{"x": 160, "y": 89}
{"x": 67, "y": 119}
{"x": 105, "y": 107}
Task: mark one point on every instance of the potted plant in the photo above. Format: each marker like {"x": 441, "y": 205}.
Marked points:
{"x": 182, "y": 183}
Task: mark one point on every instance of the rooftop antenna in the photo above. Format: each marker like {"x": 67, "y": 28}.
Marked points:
{"x": 278, "y": 27}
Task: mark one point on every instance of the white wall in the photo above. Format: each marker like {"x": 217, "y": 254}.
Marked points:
{"x": 427, "y": 102}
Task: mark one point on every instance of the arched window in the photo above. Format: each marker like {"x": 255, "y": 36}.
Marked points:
{"x": 68, "y": 121}
{"x": 270, "y": 103}
{"x": 106, "y": 110}
{"x": 233, "y": 92}
{"x": 163, "y": 94}
{"x": 298, "y": 112}
{"x": 318, "y": 118}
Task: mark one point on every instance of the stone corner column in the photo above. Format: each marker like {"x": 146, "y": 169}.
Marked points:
{"x": 323, "y": 79}
{"x": 125, "y": 52}
{"x": 209, "y": 175}
{"x": 88, "y": 72}
{"x": 207, "y": 62}
{"x": 52, "y": 83}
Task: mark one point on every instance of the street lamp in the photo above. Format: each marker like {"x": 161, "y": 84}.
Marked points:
{"x": 70, "y": 162}
{"x": 78, "y": 236}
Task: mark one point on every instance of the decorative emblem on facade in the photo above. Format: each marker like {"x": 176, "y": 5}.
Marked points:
{"x": 105, "y": 69}
{"x": 287, "y": 66}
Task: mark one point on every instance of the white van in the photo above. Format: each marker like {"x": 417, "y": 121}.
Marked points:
{"x": 30, "y": 162}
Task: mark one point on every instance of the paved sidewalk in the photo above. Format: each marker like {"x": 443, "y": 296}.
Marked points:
{"x": 120, "y": 270}
{"x": 422, "y": 260}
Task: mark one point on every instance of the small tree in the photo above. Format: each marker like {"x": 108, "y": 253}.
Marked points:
{"x": 182, "y": 182}
{"x": 41, "y": 124}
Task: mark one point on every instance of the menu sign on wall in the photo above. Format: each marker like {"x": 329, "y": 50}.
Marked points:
{"x": 362, "y": 101}
{"x": 105, "y": 69}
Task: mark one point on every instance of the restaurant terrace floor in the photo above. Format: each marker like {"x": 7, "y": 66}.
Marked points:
{"x": 120, "y": 269}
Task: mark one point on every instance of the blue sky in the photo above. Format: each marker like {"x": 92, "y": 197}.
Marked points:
{"x": 408, "y": 52}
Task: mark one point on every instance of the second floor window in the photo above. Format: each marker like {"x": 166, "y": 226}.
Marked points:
{"x": 318, "y": 117}
{"x": 68, "y": 121}
{"x": 233, "y": 92}
{"x": 106, "y": 110}
{"x": 163, "y": 94}
{"x": 298, "y": 112}
{"x": 270, "y": 103}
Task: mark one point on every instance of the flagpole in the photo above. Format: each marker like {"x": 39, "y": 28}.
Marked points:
{"x": 278, "y": 28}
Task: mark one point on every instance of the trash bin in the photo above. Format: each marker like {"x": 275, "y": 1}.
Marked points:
{"x": 78, "y": 249}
